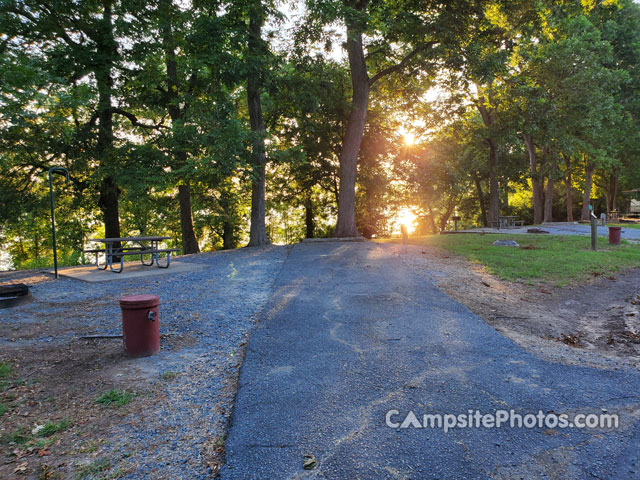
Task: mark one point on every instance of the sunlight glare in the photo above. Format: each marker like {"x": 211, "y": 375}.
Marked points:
{"x": 407, "y": 218}
{"x": 409, "y": 138}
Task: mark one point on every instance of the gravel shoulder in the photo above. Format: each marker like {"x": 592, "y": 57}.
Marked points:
{"x": 174, "y": 426}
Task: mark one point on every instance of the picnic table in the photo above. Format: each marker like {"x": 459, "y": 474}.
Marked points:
{"x": 507, "y": 221}
{"x": 118, "y": 248}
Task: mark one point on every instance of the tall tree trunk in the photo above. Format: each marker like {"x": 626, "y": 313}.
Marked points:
{"x": 548, "y": 198}
{"x": 483, "y": 208}
{"x": 586, "y": 198}
{"x": 494, "y": 194}
{"x": 568, "y": 180}
{"x": 536, "y": 184}
{"x": 612, "y": 191}
{"x": 447, "y": 213}
{"x": 109, "y": 192}
{"x": 308, "y": 217}
{"x": 227, "y": 203}
{"x": 346, "y": 226}
{"x": 108, "y": 203}
{"x": 189, "y": 241}
{"x": 177, "y": 114}
{"x": 228, "y": 240}
{"x": 432, "y": 222}
{"x": 258, "y": 231}
{"x": 36, "y": 245}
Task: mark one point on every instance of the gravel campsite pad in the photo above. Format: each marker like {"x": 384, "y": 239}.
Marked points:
{"x": 78, "y": 408}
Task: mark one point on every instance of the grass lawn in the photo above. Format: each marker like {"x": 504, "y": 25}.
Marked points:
{"x": 555, "y": 259}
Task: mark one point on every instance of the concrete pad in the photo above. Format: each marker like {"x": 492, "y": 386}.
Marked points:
{"x": 90, "y": 273}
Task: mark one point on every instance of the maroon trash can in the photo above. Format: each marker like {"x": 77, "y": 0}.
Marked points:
{"x": 614, "y": 235}
{"x": 140, "y": 325}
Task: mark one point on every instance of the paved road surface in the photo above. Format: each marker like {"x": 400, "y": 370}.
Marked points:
{"x": 355, "y": 330}
{"x": 580, "y": 229}
{"x": 568, "y": 229}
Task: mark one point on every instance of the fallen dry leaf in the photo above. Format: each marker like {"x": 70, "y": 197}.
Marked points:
{"x": 309, "y": 461}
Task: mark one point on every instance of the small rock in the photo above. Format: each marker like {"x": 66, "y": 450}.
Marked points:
{"x": 506, "y": 243}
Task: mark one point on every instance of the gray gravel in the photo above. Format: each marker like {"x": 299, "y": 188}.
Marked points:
{"x": 217, "y": 305}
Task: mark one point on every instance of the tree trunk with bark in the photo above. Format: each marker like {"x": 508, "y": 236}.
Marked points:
{"x": 258, "y": 231}
{"x": 548, "y": 198}
{"x": 432, "y": 222}
{"x": 494, "y": 157}
{"x": 536, "y": 184}
{"x": 346, "y": 226}
{"x": 586, "y": 198}
{"x": 228, "y": 205}
{"x": 107, "y": 50}
{"x": 177, "y": 114}
{"x": 494, "y": 194}
{"x": 228, "y": 240}
{"x": 308, "y": 218}
{"x": 189, "y": 241}
{"x": 361, "y": 83}
{"x": 568, "y": 180}
{"x": 447, "y": 213}
{"x": 612, "y": 191}
{"x": 483, "y": 208}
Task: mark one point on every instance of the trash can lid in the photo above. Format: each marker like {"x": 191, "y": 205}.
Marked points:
{"x": 140, "y": 301}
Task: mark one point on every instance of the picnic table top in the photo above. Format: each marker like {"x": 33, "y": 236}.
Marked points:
{"x": 128, "y": 239}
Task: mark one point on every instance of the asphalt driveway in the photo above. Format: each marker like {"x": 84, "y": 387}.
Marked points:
{"x": 581, "y": 229}
{"x": 566, "y": 228}
{"x": 354, "y": 330}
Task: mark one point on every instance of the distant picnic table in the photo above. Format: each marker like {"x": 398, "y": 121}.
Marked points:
{"x": 507, "y": 221}
{"x": 118, "y": 248}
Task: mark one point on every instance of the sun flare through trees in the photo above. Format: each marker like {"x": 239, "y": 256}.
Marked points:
{"x": 222, "y": 124}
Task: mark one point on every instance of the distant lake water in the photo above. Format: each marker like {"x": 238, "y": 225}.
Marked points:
{"x": 5, "y": 262}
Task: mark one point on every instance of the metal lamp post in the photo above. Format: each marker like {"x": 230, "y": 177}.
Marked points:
{"x": 65, "y": 172}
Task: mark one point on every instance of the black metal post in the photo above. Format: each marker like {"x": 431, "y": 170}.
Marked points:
{"x": 64, "y": 171}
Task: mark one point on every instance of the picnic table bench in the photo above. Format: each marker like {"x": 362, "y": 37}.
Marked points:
{"x": 507, "y": 221}
{"x": 118, "y": 248}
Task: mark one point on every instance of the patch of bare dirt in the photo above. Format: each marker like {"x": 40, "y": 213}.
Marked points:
{"x": 595, "y": 323}
{"x": 28, "y": 277}
{"x": 58, "y": 383}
